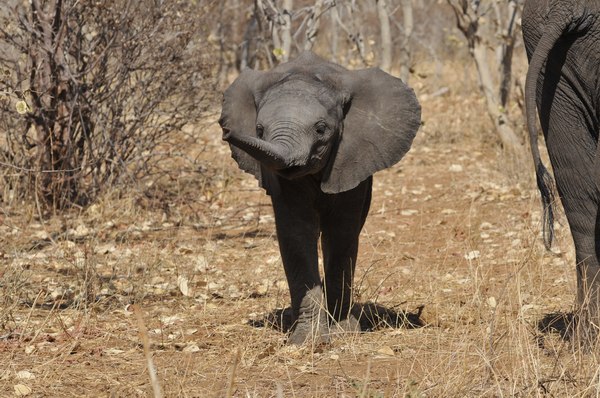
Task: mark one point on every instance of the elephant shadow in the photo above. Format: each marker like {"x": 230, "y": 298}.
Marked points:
{"x": 562, "y": 323}
{"x": 370, "y": 316}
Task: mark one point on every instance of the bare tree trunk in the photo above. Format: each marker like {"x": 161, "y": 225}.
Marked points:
{"x": 504, "y": 51}
{"x": 266, "y": 15}
{"x": 312, "y": 24}
{"x": 249, "y": 45}
{"x": 495, "y": 109}
{"x": 405, "y": 53}
{"x": 50, "y": 91}
{"x": 286, "y": 29}
{"x": 468, "y": 22}
{"x": 217, "y": 34}
{"x": 334, "y": 39}
{"x": 352, "y": 30}
{"x": 385, "y": 62}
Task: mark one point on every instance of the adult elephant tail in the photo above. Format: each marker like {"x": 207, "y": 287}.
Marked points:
{"x": 552, "y": 33}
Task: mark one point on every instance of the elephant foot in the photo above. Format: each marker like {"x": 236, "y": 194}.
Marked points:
{"x": 309, "y": 333}
{"x": 587, "y": 317}
{"x": 346, "y": 326}
{"x": 311, "y": 325}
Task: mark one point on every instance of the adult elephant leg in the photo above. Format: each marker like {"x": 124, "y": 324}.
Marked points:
{"x": 585, "y": 227}
{"x": 571, "y": 131}
{"x": 341, "y": 224}
{"x": 582, "y": 214}
{"x": 588, "y": 299}
{"x": 298, "y": 233}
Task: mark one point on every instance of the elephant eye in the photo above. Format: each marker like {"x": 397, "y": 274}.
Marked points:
{"x": 321, "y": 127}
{"x": 260, "y": 130}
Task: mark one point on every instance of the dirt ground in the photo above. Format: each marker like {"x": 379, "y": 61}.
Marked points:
{"x": 451, "y": 230}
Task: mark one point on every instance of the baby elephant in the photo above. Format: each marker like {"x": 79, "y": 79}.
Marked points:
{"x": 313, "y": 133}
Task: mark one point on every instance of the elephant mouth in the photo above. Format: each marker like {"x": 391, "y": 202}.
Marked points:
{"x": 293, "y": 172}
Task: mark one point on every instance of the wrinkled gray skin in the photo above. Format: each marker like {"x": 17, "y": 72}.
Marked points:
{"x": 313, "y": 133}
{"x": 562, "y": 38}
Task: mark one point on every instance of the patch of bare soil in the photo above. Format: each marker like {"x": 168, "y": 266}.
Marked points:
{"x": 449, "y": 232}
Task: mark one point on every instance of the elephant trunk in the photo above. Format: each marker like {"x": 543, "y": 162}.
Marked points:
{"x": 274, "y": 156}
{"x": 545, "y": 182}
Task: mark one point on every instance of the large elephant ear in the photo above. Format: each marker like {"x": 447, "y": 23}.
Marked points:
{"x": 238, "y": 114}
{"x": 381, "y": 121}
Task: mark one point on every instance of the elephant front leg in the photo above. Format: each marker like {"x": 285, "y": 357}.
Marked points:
{"x": 298, "y": 233}
{"x": 339, "y": 253}
{"x": 341, "y": 227}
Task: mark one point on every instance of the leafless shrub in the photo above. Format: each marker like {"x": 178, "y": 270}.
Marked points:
{"x": 94, "y": 92}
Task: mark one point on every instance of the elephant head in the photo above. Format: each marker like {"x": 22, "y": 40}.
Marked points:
{"x": 313, "y": 117}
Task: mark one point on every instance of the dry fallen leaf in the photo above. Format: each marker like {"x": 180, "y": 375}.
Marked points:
{"x": 386, "y": 350}
{"x": 21, "y": 390}
{"x": 185, "y": 250}
{"x": 201, "y": 264}
{"x": 170, "y": 320}
{"x": 24, "y": 375}
{"x": 409, "y": 212}
{"x": 191, "y": 348}
{"x": 182, "y": 283}
{"x": 472, "y": 255}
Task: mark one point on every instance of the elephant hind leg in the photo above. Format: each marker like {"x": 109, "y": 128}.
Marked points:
{"x": 570, "y": 128}
{"x": 588, "y": 289}
{"x": 586, "y": 236}
{"x": 588, "y": 305}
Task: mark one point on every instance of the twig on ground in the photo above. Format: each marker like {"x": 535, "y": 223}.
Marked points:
{"x": 231, "y": 380}
{"x": 146, "y": 343}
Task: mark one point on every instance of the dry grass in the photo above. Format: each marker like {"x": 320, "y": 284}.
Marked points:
{"x": 448, "y": 230}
